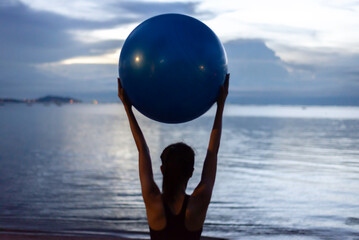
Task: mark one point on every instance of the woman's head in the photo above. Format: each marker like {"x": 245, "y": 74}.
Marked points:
{"x": 177, "y": 168}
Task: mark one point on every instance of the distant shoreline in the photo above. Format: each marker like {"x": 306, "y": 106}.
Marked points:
{"x": 46, "y": 99}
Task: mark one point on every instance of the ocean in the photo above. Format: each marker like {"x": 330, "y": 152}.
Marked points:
{"x": 284, "y": 172}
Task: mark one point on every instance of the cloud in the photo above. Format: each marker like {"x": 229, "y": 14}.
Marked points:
{"x": 146, "y": 10}
{"x": 35, "y": 39}
{"x": 105, "y": 10}
{"x": 37, "y": 36}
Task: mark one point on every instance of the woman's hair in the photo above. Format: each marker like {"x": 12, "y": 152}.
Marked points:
{"x": 177, "y": 167}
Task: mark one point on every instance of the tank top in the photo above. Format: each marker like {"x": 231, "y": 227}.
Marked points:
{"x": 175, "y": 226}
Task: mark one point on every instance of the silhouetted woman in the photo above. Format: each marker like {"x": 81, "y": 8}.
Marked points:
{"x": 173, "y": 214}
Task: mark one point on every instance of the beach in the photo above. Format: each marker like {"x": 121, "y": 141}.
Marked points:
{"x": 21, "y": 235}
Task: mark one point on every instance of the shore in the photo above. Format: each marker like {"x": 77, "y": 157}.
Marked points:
{"x": 22, "y": 235}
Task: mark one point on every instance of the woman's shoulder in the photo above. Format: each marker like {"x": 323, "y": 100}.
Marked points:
{"x": 196, "y": 212}
{"x": 156, "y": 215}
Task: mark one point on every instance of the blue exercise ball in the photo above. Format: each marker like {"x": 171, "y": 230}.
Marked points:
{"x": 171, "y": 67}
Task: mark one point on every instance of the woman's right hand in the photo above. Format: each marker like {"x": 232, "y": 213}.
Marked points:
{"x": 122, "y": 94}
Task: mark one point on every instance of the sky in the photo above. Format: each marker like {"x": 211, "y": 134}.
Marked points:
{"x": 307, "y": 48}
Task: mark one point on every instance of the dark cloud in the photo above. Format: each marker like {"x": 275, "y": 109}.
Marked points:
{"x": 253, "y": 65}
{"x": 330, "y": 68}
{"x": 30, "y": 36}
{"x": 256, "y": 70}
{"x": 250, "y": 49}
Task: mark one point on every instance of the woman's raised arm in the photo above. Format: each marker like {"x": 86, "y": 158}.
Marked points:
{"x": 210, "y": 163}
{"x": 148, "y": 185}
{"x": 201, "y": 196}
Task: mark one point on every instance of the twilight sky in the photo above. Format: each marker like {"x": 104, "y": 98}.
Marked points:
{"x": 285, "y": 47}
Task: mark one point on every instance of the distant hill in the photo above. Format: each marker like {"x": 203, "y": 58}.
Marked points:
{"x": 57, "y": 99}
{"x": 10, "y": 100}
{"x": 46, "y": 99}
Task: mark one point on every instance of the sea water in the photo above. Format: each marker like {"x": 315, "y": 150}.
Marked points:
{"x": 284, "y": 172}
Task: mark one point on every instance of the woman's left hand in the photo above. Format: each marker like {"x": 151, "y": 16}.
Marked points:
{"x": 223, "y": 92}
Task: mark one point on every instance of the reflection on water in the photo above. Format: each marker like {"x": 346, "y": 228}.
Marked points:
{"x": 282, "y": 176}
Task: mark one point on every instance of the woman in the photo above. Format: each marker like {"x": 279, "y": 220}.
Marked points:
{"x": 172, "y": 214}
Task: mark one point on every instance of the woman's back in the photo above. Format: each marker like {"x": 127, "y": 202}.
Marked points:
{"x": 176, "y": 226}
